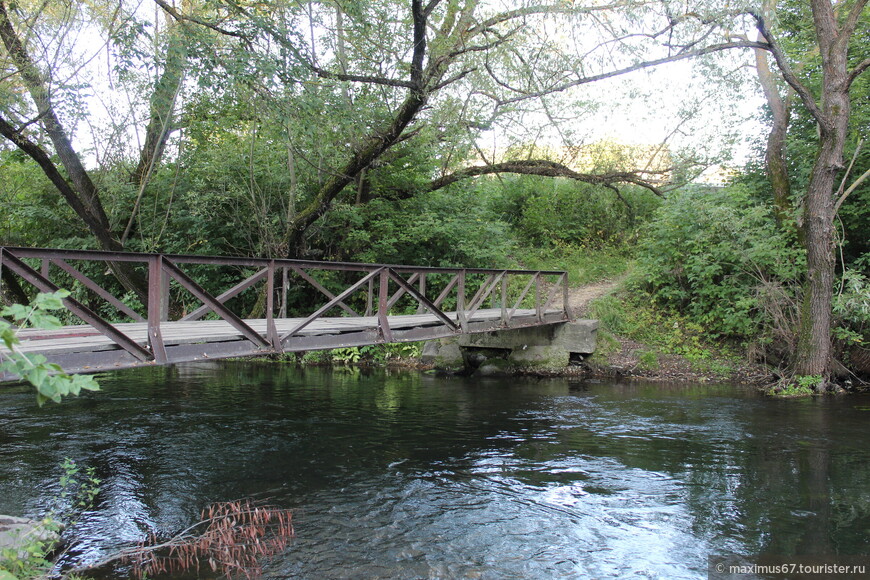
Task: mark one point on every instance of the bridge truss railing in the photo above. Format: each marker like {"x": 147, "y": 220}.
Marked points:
{"x": 366, "y": 291}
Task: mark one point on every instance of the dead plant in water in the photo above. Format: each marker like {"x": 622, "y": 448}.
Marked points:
{"x": 233, "y": 538}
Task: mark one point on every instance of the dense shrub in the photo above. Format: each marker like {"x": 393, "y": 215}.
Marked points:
{"x": 439, "y": 229}
{"x": 707, "y": 252}
{"x": 546, "y": 211}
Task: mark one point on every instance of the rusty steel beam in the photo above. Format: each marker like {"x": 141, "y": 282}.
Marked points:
{"x": 552, "y": 295}
{"x": 97, "y": 289}
{"x": 460, "y": 302}
{"x": 308, "y": 278}
{"x": 231, "y": 293}
{"x": 158, "y": 294}
{"x": 86, "y": 314}
{"x": 226, "y": 314}
{"x": 106, "y": 256}
{"x": 320, "y": 311}
{"x": 481, "y": 295}
{"x": 401, "y": 291}
{"x": 521, "y": 298}
{"x": 421, "y": 298}
{"x": 383, "y": 309}
{"x": 446, "y": 292}
{"x": 271, "y": 329}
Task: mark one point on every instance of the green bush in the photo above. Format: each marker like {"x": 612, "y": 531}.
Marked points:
{"x": 546, "y": 211}
{"x": 852, "y": 309}
{"x": 706, "y": 253}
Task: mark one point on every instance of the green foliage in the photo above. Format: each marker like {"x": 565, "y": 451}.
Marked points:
{"x": 852, "y": 309}
{"x": 51, "y": 383}
{"x": 547, "y": 211}
{"x": 441, "y": 229}
{"x": 796, "y": 386}
{"x": 707, "y": 251}
{"x": 81, "y": 487}
{"x": 28, "y": 559}
{"x": 648, "y": 359}
{"x": 584, "y": 265}
{"x": 369, "y": 354}
{"x": 350, "y": 355}
{"x": 665, "y": 332}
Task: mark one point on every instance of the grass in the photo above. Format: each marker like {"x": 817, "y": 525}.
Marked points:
{"x": 583, "y": 265}
{"x": 633, "y": 317}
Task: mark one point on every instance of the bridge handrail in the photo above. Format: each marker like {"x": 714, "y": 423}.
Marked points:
{"x": 107, "y": 256}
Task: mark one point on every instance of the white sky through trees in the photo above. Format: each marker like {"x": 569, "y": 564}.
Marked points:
{"x": 673, "y": 102}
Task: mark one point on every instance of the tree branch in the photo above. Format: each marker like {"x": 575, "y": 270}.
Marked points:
{"x": 42, "y": 159}
{"x": 543, "y": 168}
{"x": 856, "y": 72}
{"x": 803, "y": 92}
{"x": 637, "y": 67}
{"x": 851, "y": 21}
{"x": 184, "y": 17}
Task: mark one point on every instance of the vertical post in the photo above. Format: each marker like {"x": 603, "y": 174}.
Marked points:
{"x": 271, "y": 329}
{"x": 539, "y": 311}
{"x": 420, "y": 308}
{"x": 565, "y": 305}
{"x": 504, "y": 316}
{"x": 44, "y": 268}
{"x": 383, "y": 298}
{"x": 460, "y": 302}
{"x": 285, "y": 279}
{"x": 158, "y": 307}
{"x": 370, "y": 298}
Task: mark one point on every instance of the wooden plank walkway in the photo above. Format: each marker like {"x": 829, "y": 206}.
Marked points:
{"x": 84, "y": 349}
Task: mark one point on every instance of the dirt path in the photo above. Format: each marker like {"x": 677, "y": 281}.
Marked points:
{"x": 580, "y": 297}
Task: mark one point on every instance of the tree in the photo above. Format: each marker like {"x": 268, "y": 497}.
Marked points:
{"x": 43, "y": 57}
{"x": 76, "y": 187}
{"x": 829, "y": 104}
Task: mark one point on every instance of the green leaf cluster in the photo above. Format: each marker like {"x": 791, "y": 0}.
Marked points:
{"x": 51, "y": 383}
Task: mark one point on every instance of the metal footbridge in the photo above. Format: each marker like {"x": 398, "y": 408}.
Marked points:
{"x": 179, "y": 320}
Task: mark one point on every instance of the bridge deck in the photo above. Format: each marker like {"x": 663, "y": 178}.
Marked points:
{"x": 83, "y": 348}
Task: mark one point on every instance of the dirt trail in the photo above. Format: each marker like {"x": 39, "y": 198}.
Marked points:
{"x": 580, "y": 297}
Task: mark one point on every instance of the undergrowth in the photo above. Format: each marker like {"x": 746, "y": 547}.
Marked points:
{"x": 631, "y": 316}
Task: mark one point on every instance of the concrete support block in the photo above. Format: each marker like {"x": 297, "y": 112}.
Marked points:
{"x": 541, "y": 347}
{"x": 543, "y": 357}
{"x": 443, "y": 353}
{"x": 578, "y": 336}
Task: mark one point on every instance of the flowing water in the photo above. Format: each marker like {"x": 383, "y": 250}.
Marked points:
{"x": 406, "y": 475}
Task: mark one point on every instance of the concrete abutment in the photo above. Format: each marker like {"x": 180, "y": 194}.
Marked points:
{"x": 544, "y": 348}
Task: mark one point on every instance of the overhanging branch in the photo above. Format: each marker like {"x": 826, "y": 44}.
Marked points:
{"x": 546, "y": 168}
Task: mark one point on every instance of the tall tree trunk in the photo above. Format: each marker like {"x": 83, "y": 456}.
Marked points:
{"x": 160, "y": 122}
{"x": 774, "y": 153}
{"x": 814, "y": 342}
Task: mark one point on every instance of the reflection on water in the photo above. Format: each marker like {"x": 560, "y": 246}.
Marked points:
{"x": 403, "y": 475}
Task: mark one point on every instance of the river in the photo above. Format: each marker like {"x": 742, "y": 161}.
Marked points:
{"x": 397, "y": 474}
